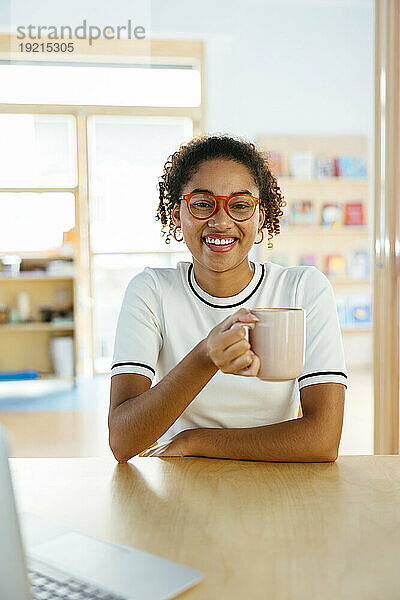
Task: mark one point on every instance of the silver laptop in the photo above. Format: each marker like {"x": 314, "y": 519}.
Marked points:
{"x": 63, "y": 563}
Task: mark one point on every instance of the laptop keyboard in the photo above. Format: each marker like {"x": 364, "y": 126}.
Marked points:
{"x": 47, "y": 588}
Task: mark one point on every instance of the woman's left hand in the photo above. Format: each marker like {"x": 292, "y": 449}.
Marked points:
{"x": 176, "y": 446}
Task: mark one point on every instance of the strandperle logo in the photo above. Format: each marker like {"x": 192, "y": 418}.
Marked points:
{"x": 81, "y": 32}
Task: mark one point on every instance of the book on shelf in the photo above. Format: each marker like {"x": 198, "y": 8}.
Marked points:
{"x": 301, "y": 165}
{"x": 358, "y": 264}
{"x": 324, "y": 167}
{"x": 354, "y": 213}
{"x": 351, "y": 166}
{"x": 342, "y": 309}
{"x": 335, "y": 265}
{"x": 332, "y": 214}
{"x": 303, "y": 213}
{"x": 354, "y": 310}
{"x": 275, "y": 162}
{"x": 309, "y": 260}
{"x": 359, "y": 310}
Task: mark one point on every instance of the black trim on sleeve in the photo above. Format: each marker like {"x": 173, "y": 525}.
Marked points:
{"x": 135, "y": 364}
{"x": 322, "y": 373}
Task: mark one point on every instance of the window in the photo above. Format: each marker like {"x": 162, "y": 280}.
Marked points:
{"x": 35, "y": 222}
{"x": 127, "y": 85}
{"x": 37, "y": 150}
{"x": 70, "y": 143}
{"x": 126, "y": 157}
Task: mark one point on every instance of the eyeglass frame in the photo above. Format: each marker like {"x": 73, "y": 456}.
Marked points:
{"x": 225, "y": 200}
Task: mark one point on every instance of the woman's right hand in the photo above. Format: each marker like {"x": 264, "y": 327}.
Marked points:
{"x": 228, "y": 347}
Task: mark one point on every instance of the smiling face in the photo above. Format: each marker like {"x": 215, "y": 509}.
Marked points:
{"x": 221, "y": 177}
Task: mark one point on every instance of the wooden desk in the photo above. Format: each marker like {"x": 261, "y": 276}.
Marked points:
{"x": 279, "y": 531}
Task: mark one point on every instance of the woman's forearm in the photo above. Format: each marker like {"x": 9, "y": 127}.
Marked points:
{"x": 296, "y": 440}
{"x": 138, "y": 422}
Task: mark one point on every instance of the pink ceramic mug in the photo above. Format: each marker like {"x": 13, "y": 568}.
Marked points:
{"x": 278, "y": 339}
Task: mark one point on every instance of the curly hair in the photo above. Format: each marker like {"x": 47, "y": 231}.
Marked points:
{"x": 182, "y": 164}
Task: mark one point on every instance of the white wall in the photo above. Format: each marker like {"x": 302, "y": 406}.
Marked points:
{"x": 282, "y": 66}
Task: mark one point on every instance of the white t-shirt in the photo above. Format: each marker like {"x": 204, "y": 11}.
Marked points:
{"x": 165, "y": 314}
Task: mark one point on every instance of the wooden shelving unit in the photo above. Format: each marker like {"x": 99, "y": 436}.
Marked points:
{"x": 295, "y": 240}
{"x": 26, "y": 345}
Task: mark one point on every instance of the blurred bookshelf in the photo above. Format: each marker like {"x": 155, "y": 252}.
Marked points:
{"x": 37, "y": 325}
{"x": 324, "y": 181}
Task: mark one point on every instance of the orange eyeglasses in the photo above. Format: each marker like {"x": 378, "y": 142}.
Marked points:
{"x": 239, "y": 207}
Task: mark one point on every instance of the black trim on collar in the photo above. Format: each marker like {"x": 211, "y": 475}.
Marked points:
{"x": 135, "y": 364}
{"x": 322, "y": 373}
{"x": 225, "y": 305}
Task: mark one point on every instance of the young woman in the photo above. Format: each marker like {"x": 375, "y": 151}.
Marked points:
{"x": 219, "y": 194}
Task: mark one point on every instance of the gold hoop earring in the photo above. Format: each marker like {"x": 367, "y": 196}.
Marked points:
{"x": 262, "y": 237}
{"x": 174, "y": 234}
